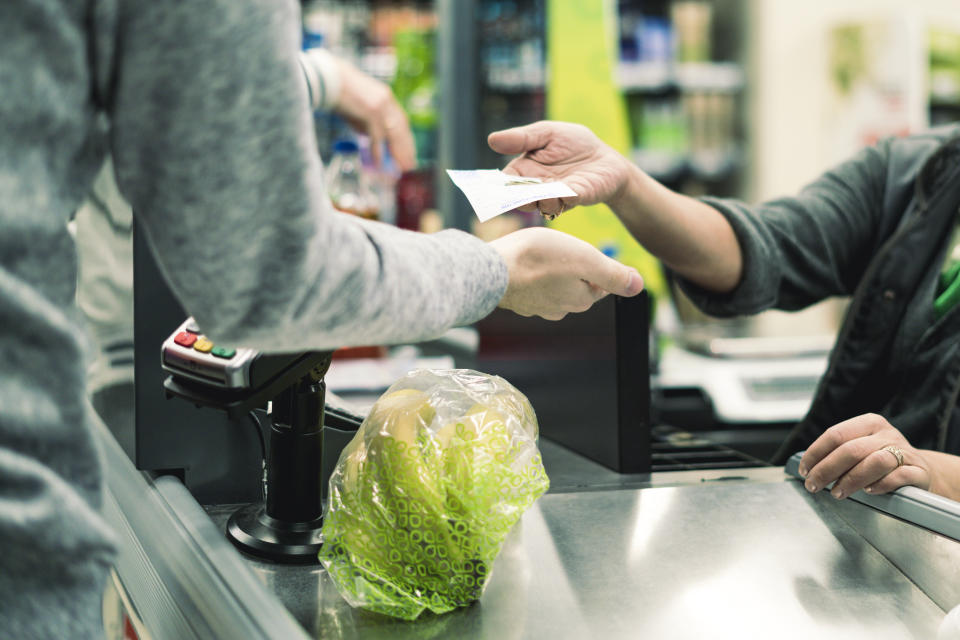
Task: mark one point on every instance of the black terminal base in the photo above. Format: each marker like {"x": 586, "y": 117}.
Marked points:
{"x": 256, "y": 533}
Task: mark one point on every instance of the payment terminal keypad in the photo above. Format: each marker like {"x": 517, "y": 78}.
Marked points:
{"x": 189, "y": 354}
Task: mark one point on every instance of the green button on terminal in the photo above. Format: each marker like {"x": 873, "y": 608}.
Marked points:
{"x": 222, "y": 352}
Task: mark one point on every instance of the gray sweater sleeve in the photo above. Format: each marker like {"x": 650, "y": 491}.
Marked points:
{"x": 801, "y": 249}
{"x": 213, "y": 142}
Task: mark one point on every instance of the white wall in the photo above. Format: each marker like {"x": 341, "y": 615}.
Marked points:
{"x": 789, "y": 84}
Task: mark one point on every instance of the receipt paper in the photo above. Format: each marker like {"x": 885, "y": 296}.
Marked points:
{"x": 492, "y": 192}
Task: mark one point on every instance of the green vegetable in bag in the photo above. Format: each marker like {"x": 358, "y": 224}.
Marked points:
{"x": 424, "y": 495}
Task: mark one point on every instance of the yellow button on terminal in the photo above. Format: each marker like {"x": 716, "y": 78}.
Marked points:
{"x": 203, "y": 344}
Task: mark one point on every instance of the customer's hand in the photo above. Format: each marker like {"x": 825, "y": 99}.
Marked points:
{"x": 854, "y": 454}
{"x": 369, "y": 106}
{"x": 553, "y": 273}
{"x": 567, "y": 152}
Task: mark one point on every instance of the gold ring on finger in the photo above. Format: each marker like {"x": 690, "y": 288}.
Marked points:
{"x": 552, "y": 216}
{"x": 547, "y": 216}
{"x": 563, "y": 207}
{"x": 897, "y": 453}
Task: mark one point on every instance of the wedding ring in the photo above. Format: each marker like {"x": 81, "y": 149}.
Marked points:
{"x": 897, "y": 453}
{"x": 552, "y": 216}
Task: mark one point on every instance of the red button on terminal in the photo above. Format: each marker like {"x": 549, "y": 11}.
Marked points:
{"x": 185, "y": 339}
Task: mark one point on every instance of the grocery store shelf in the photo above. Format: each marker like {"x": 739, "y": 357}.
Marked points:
{"x": 667, "y": 166}
{"x": 694, "y": 76}
{"x": 512, "y": 79}
{"x": 634, "y": 76}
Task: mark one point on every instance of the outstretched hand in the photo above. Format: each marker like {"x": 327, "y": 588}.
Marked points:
{"x": 567, "y": 152}
{"x": 552, "y": 273}
{"x": 862, "y": 453}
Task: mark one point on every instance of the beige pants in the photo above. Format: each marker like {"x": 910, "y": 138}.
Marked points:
{"x": 104, "y": 236}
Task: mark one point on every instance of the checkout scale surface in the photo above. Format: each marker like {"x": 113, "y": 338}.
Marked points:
{"x": 749, "y": 555}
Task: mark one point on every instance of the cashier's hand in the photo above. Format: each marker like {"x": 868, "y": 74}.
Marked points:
{"x": 855, "y": 455}
{"x": 552, "y": 273}
{"x": 565, "y": 152}
{"x": 369, "y": 106}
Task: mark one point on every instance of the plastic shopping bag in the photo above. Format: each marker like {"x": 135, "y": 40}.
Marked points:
{"x": 424, "y": 495}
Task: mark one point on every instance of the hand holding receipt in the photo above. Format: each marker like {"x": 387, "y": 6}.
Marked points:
{"x": 492, "y": 192}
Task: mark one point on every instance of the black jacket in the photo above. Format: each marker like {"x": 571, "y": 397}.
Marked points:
{"x": 875, "y": 228}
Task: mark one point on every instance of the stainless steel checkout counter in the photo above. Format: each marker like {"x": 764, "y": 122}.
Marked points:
{"x": 691, "y": 554}
{"x": 608, "y": 553}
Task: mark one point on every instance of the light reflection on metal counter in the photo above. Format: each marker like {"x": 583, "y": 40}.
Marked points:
{"x": 755, "y": 559}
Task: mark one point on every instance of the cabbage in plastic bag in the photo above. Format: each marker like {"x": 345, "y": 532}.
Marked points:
{"x": 424, "y": 495}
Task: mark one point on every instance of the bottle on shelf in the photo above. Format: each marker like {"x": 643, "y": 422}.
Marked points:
{"x": 350, "y": 191}
{"x": 348, "y": 184}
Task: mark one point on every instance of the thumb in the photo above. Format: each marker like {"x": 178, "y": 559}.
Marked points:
{"x": 519, "y": 140}
{"x": 616, "y": 278}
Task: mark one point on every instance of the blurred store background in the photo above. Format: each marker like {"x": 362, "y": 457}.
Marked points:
{"x": 741, "y": 98}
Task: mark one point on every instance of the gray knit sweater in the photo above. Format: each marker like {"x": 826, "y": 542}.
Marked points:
{"x": 204, "y": 108}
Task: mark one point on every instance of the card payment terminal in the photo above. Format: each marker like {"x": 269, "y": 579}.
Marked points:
{"x": 286, "y": 526}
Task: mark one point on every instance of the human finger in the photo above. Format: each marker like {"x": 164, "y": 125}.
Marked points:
{"x": 585, "y": 295}
{"x": 375, "y": 134}
{"x": 597, "y": 292}
{"x": 568, "y": 294}
{"x": 522, "y": 139}
{"x": 551, "y": 207}
{"x": 400, "y": 140}
{"x": 836, "y": 436}
{"x": 871, "y": 469}
{"x": 907, "y": 475}
{"x": 611, "y": 276}
{"x": 841, "y": 460}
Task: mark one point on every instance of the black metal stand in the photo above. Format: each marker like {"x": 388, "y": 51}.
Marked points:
{"x": 286, "y": 528}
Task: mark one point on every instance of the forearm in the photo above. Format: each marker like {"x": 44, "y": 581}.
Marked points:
{"x": 944, "y": 473}
{"x": 322, "y": 72}
{"x": 224, "y": 177}
{"x": 689, "y": 236}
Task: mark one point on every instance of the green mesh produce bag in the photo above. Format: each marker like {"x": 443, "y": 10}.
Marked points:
{"x": 424, "y": 495}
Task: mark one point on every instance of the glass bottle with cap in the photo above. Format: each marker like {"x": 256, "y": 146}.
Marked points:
{"x": 348, "y": 185}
